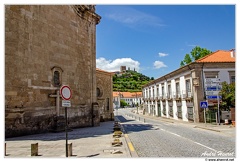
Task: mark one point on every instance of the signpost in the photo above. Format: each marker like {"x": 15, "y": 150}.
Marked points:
{"x": 204, "y": 105}
{"x": 66, "y": 94}
{"x": 212, "y": 89}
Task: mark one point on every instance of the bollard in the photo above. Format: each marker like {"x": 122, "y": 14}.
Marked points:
{"x": 143, "y": 120}
{"x": 70, "y": 149}
{"x": 139, "y": 118}
{"x": 34, "y": 149}
{"x": 5, "y": 149}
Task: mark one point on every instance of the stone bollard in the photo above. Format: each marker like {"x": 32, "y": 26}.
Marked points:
{"x": 34, "y": 149}
{"x": 70, "y": 149}
{"x": 5, "y": 149}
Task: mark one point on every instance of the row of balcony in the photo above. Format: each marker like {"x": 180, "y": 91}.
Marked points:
{"x": 179, "y": 96}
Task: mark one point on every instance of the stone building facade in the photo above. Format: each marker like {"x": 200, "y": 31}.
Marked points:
{"x": 104, "y": 95}
{"x": 47, "y": 46}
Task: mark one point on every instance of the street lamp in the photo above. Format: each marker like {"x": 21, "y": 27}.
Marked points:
{"x": 136, "y": 101}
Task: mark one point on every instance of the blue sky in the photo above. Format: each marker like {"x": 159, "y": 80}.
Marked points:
{"x": 154, "y": 39}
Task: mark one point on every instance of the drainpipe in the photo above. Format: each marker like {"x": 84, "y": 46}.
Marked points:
{"x": 194, "y": 120}
{"x": 203, "y": 84}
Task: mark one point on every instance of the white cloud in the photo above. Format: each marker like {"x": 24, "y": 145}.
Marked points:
{"x": 162, "y": 54}
{"x": 114, "y": 65}
{"x": 159, "y": 64}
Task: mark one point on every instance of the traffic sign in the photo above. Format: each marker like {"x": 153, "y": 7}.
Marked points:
{"x": 214, "y": 80}
{"x": 65, "y": 92}
{"x": 212, "y": 93}
{"x": 214, "y": 97}
{"x": 213, "y": 88}
{"x": 204, "y": 104}
{"x": 66, "y": 103}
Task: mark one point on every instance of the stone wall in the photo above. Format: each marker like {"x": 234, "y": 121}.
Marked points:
{"x": 40, "y": 40}
{"x": 104, "y": 95}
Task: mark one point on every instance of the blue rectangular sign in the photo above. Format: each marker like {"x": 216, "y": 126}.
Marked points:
{"x": 213, "y": 97}
{"x": 213, "y": 88}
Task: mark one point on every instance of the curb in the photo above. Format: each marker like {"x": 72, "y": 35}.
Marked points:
{"x": 207, "y": 128}
{"x": 166, "y": 120}
{"x": 131, "y": 149}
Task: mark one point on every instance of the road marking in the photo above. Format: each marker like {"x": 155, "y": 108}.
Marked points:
{"x": 205, "y": 146}
{"x": 170, "y": 132}
{"x": 189, "y": 140}
{"x": 130, "y": 146}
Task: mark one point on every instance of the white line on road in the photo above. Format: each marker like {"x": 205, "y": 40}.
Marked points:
{"x": 189, "y": 140}
{"x": 205, "y": 146}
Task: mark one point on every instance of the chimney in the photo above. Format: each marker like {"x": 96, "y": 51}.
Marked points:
{"x": 232, "y": 53}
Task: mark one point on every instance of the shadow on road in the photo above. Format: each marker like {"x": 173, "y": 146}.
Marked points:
{"x": 131, "y": 126}
{"x": 122, "y": 119}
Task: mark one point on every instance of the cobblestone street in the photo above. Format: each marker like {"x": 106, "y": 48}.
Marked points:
{"x": 165, "y": 139}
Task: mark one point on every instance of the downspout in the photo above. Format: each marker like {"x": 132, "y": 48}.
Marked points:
{"x": 203, "y": 84}
{"x": 192, "y": 94}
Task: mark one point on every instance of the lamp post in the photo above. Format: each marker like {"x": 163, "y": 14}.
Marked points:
{"x": 136, "y": 101}
{"x": 119, "y": 102}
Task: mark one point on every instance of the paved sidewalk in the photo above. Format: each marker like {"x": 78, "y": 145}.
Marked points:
{"x": 86, "y": 142}
{"x": 229, "y": 130}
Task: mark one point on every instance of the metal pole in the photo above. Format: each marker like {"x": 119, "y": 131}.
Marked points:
{"x": 66, "y": 126}
{"x": 57, "y": 104}
{"x": 205, "y": 116}
{"x": 218, "y": 111}
{"x": 218, "y": 107}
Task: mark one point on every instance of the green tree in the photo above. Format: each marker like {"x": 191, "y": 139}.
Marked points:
{"x": 228, "y": 95}
{"x": 196, "y": 53}
{"x": 122, "y": 103}
{"x": 187, "y": 59}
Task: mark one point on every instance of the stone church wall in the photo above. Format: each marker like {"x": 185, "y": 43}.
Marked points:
{"x": 104, "y": 95}
{"x": 47, "y": 46}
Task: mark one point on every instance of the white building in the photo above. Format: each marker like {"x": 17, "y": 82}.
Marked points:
{"x": 131, "y": 98}
{"x": 178, "y": 94}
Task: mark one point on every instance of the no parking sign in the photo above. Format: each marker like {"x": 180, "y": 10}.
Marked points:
{"x": 66, "y": 94}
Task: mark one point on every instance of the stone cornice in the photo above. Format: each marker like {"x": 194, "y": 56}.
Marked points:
{"x": 87, "y": 12}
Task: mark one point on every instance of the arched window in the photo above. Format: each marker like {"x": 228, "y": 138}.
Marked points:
{"x": 99, "y": 92}
{"x": 57, "y": 76}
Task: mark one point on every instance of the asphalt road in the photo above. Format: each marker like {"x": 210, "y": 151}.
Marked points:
{"x": 163, "y": 139}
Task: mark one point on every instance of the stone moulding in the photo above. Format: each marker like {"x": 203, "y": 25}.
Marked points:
{"x": 87, "y": 12}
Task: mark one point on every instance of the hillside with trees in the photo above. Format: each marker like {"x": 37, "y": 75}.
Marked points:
{"x": 130, "y": 81}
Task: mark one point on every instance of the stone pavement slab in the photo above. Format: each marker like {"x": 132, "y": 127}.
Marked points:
{"x": 86, "y": 142}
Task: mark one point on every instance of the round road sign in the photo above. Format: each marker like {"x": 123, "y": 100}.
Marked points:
{"x": 65, "y": 92}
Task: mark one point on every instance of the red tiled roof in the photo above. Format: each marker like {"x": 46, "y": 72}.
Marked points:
{"x": 218, "y": 56}
{"x": 127, "y": 94}
{"x": 100, "y": 70}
